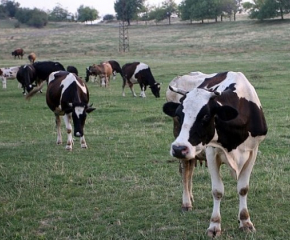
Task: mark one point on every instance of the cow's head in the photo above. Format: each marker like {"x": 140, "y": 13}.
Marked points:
{"x": 79, "y": 115}
{"x": 196, "y": 115}
{"x": 155, "y": 88}
{"x": 88, "y": 73}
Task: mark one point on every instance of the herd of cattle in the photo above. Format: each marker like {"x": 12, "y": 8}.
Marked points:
{"x": 217, "y": 118}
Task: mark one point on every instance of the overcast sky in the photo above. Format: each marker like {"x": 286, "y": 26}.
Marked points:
{"x": 103, "y": 6}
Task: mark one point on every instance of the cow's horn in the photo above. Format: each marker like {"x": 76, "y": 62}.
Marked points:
{"x": 178, "y": 90}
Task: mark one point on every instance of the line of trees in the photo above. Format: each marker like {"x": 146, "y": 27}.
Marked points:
{"x": 129, "y": 10}
{"x": 39, "y": 18}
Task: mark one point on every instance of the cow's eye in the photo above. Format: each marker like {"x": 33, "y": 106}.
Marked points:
{"x": 205, "y": 119}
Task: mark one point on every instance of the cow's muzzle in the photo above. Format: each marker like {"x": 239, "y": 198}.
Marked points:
{"x": 179, "y": 151}
{"x": 78, "y": 134}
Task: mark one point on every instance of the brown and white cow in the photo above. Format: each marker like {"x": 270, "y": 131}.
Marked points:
{"x": 103, "y": 70}
{"x": 8, "y": 73}
{"x": 224, "y": 116}
{"x": 138, "y": 72}
{"x": 19, "y": 52}
{"x": 32, "y": 57}
{"x": 68, "y": 96}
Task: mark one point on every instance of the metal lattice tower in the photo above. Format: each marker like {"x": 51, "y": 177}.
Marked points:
{"x": 123, "y": 37}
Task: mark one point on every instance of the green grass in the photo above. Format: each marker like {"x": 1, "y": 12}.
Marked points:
{"x": 126, "y": 185}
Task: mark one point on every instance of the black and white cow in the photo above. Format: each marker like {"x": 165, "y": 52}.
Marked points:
{"x": 138, "y": 72}
{"x": 8, "y": 73}
{"x": 36, "y": 72}
{"x": 68, "y": 96}
{"x": 224, "y": 116}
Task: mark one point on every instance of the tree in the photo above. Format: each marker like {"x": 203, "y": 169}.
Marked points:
{"x": 11, "y": 7}
{"x": 263, "y": 9}
{"x": 36, "y": 18}
{"x": 108, "y": 17}
{"x": 87, "y": 14}
{"x": 127, "y": 10}
{"x": 58, "y": 14}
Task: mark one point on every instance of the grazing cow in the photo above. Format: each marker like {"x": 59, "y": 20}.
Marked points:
{"x": 26, "y": 76}
{"x": 224, "y": 116}
{"x": 68, "y": 96}
{"x": 103, "y": 70}
{"x": 36, "y": 72}
{"x": 19, "y": 52}
{"x": 138, "y": 72}
{"x": 72, "y": 69}
{"x": 8, "y": 73}
{"x": 32, "y": 57}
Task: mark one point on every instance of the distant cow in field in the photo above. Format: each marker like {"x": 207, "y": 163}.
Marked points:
{"x": 8, "y": 73}
{"x": 19, "y": 52}
{"x": 32, "y": 57}
{"x": 72, "y": 69}
{"x": 103, "y": 70}
{"x": 36, "y": 72}
{"x": 138, "y": 72}
{"x": 223, "y": 116}
{"x": 68, "y": 96}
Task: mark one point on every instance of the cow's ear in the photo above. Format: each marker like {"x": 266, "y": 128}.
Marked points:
{"x": 90, "y": 109}
{"x": 169, "y": 108}
{"x": 226, "y": 113}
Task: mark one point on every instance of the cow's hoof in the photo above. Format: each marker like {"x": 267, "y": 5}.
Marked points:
{"x": 214, "y": 232}
{"x": 248, "y": 227}
{"x": 69, "y": 148}
{"x": 84, "y": 146}
{"x": 58, "y": 143}
{"x": 186, "y": 208}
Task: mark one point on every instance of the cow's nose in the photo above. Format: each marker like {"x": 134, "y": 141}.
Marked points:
{"x": 179, "y": 151}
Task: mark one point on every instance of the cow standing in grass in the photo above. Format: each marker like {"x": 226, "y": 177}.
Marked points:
{"x": 138, "y": 72}
{"x": 68, "y": 96}
{"x": 103, "y": 71}
{"x": 32, "y": 75}
{"x": 8, "y": 73}
{"x": 224, "y": 116}
{"x": 19, "y": 52}
{"x": 32, "y": 57}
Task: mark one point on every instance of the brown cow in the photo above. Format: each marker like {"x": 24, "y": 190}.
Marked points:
{"x": 32, "y": 57}
{"x": 104, "y": 71}
{"x": 19, "y": 52}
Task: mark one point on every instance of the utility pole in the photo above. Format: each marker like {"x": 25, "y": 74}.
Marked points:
{"x": 123, "y": 32}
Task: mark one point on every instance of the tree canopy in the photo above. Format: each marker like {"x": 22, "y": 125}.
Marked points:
{"x": 127, "y": 10}
{"x": 86, "y": 14}
{"x": 263, "y": 9}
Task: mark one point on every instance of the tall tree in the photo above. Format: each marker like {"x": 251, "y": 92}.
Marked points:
{"x": 263, "y": 9}
{"x": 87, "y": 14}
{"x": 11, "y": 7}
{"x": 58, "y": 13}
{"x": 127, "y": 10}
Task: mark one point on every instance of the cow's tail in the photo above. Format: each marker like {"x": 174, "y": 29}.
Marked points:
{"x": 35, "y": 90}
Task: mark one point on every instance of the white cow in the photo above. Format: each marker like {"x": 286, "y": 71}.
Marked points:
{"x": 8, "y": 73}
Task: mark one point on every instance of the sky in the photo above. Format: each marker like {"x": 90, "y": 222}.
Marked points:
{"x": 103, "y": 6}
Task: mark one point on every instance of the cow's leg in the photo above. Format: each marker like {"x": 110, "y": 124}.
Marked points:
{"x": 243, "y": 188}
{"x": 142, "y": 94}
{"x": 187, "y": 173}
{"x": 114, "y": 75}
{"x": 4, "y": 82}
{"x": 83, "y": 142}
{"x": 67, "y": 119}
{"x": 132, "y": 89}
{"x": 214, "y": 164}
{"x": 58, "y": 123}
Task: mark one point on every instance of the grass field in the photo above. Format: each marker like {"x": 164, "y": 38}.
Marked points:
{"x": 126, "y": 185}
